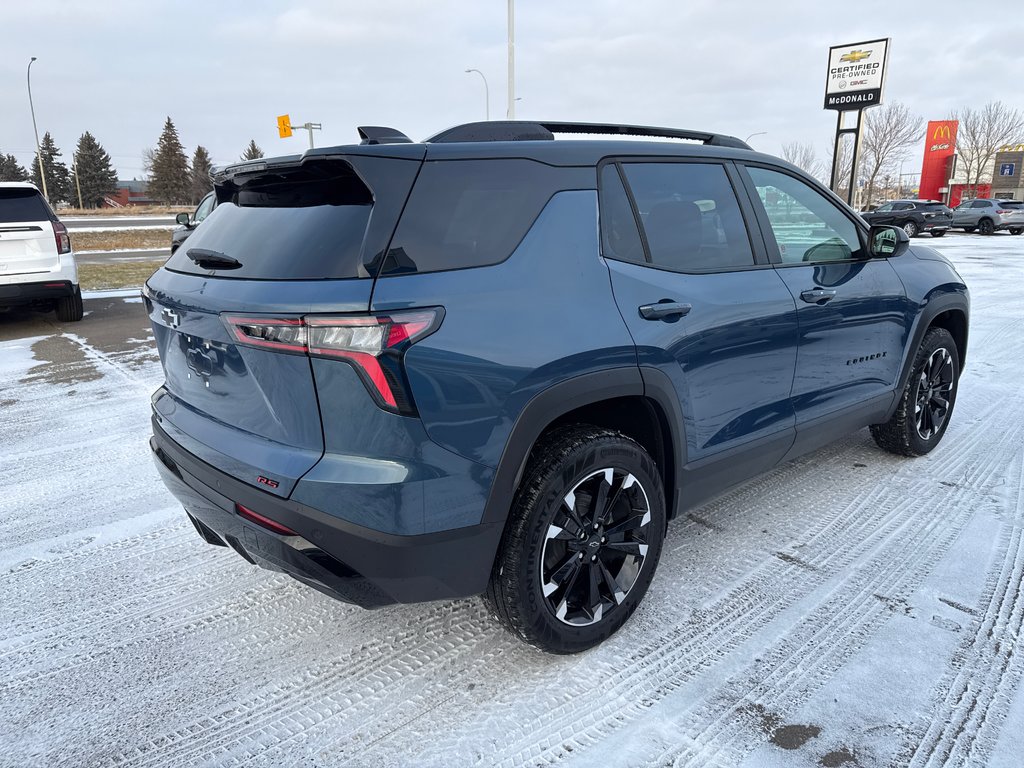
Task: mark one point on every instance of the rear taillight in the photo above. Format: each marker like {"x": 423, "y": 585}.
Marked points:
{"x": 1004, "y": 212}
{"x": 60, "y": 234}
{"x": 373, "y": 344}
{"x": 264, "y": 522}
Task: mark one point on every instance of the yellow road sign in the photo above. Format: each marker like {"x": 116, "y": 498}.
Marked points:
{"x": 284, "y": 126}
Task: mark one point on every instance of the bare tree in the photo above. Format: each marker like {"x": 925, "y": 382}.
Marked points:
{"x": 803, "y": 156}
{"x": 888, "y": 133}
{"x": 844, "y": 168}
{"x": 980, "y": 134}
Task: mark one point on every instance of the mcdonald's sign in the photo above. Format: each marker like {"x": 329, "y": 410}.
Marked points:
{"x": 939, "y": 148}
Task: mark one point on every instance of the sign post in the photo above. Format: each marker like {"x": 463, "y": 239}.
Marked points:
{"x": 285, "y": 127}
{"x": 855, "y": 82}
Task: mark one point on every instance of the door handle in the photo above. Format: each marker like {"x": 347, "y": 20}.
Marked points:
{"x": 818, "y": 295}
{"x": 664, "y": 310}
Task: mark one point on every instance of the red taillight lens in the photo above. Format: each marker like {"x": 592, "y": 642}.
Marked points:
{"x": 264, "y": 522}
{"x": 373, "y": 344}
{"x": 60, "y": 234}
{"x": 1004, "y": 212}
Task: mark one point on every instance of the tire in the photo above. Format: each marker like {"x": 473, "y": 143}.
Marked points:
{"x": 938, "y": 232}
{"x": 552, "y": 556}
{"x": 969, "y": 230}
{"x": 986, "y": 227}
{"x": 69, "y": 308}
{"x": 920, "y": 420}
{"x": 1016, "y": 231}
{"x": 910, "y": 228}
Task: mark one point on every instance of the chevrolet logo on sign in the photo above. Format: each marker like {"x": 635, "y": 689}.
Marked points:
{"x": 941, "y": 132}
{"x": 855, "y": 56}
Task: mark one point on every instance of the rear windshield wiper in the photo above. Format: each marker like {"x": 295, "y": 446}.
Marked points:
{"x": 212, "y": 259}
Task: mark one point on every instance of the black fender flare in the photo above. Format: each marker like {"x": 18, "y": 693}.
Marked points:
{"x": 935, "y": 307}
{"x": 561, "y": 398}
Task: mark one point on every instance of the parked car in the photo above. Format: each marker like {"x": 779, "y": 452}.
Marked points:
{"x": 37, "y": 265}
{"x": 186, "y": 223}
{"x": 913, "y": 216}
{"x": 987, "y": 216}
{"x": 493, "y": 362}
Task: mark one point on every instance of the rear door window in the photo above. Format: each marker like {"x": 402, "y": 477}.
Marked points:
{"x": 302, "y": 224}
{"x": 20, "y": 204}
{"x": 469, "y": 213}
{"x": 691, "y": 218}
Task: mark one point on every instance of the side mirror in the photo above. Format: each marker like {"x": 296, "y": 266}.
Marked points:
{"x": 884, "y": 242}
{"x": 182, "y": 218}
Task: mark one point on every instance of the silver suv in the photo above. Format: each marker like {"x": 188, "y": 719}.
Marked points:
{"x": 988, "y": 215}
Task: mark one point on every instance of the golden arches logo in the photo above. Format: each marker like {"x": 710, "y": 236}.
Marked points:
{"x": 855, "y": 56}
{"x": 942, "y": 132}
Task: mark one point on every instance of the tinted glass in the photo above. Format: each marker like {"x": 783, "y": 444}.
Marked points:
{"x": 808, "y": 227}
{"x": 884, "y": 208}
{"x": 979, "y": 204}
{"x": 933, "y": 206}
{"x": 690, "y": 216}
{"x": 619, "y": 235}
{"x": 904, "y": 207}
{"x": 286, "y": 228}
{"x": 22, "y": 204}
{"x": 1011, "y": 204}
{"x": 469, "y": 213}
{"x": 204, "y": 208}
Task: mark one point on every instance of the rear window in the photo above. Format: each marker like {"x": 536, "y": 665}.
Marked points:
{"x": 934, "y": 206}
{"x": 303, "y": 224}
{"x": 1011, "y": 204}
{"x": 469, "y": 213}
{"x": 18, "y": 204}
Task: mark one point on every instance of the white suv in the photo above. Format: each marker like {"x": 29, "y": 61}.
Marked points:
{"x": 37, "y": 266}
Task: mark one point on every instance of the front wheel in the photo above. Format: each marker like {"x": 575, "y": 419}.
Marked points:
{"x": 911, "y": 229}
{"x": 969, "y": 230}
{"x": 583, "y": 540}
{"x": 926, "y": 404}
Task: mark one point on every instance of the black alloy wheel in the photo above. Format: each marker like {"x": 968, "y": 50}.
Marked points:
{"x": 582, "y": 541}
{"x": 987, "y": 227}
{"x": 935, "y": 384}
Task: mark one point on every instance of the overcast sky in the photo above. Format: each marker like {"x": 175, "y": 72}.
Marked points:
{"x": 224, "y": 70}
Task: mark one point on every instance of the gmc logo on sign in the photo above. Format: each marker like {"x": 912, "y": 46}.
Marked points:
{"x": 267, "y": 482}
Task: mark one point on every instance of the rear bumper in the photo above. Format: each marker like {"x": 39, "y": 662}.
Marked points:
{"x": 12, "y": 294}
{"x": 929, "y": 226}
{"x": 346, "y": 561}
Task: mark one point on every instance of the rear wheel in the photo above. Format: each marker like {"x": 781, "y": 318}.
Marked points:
{"x": 910, "y": 228}
{"x": 938, "y": 232}
{"x": 69, "y": 308}
{"x": 927, "y": 401}
{"x": 987, "y": 227}
{"x": 583, "y": 540}
{"x": 969, "y": 230}
{"x": 1016, "y": 231}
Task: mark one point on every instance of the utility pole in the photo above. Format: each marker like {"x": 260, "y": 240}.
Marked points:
{"x": 511, "y": 59}
{"x": 39, "y": 154}
{"x": 78, "y": 186}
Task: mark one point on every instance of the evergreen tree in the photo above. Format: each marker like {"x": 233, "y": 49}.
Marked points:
{"x": 170, "y": 179}
{"x": 11, "y": 169}
{"x": 253, "y": 151}
{"x": 57, "y": 176}
{"x": 96, "y": 176}
{"x": 201, "y": 165}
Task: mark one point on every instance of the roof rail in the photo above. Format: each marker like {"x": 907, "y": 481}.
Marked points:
{"x": 379, "y": 134}
{"x": 517, "y": 130}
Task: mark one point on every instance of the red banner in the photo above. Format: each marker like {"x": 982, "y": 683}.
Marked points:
{"x": 939, "y": 148}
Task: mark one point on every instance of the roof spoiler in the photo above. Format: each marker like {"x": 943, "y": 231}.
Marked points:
{"x": 517, "y": 130}
{"x": 380, "y": 134}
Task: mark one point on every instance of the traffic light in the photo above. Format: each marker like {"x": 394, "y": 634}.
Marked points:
{"x": 284, "y": 126}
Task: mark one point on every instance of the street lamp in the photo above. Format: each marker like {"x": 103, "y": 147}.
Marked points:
{"x": 511, "y": 60}
{"x": 487, "y": 93}
{"x": 759, "y": 133}
{"x": 39, "y": 154}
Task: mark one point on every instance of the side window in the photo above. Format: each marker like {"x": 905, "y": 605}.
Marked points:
{"x": 884, "y": 208}
{"x": 690, "y": 216}
{"x": 204, "y": 208}
{"x": 620, "y": 238}
{"x": 808, "y": 227}
{"x": 979, "y": 204}
{"x": 905, "y": 207}
{"x": 469, "y": 213}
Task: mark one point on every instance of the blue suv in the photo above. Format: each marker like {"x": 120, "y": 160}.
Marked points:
{"x": 494, "y": 362}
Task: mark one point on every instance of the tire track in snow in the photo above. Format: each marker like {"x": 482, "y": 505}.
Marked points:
{"x": 677, "y": 658}
{"x": 987, "y": 667}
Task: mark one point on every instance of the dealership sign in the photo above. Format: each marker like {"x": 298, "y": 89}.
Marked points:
{"x": 856, "y": 75}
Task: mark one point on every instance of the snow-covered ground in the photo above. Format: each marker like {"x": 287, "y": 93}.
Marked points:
{"x": 851, "y": 608}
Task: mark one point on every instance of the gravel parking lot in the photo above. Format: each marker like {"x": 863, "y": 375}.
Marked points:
{"x": 850, "y": 608}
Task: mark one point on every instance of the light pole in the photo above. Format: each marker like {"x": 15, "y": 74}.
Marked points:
{"x": 511, "y": 59}
{"x": 759, "y": 133}
{"x": 32, "y": 109}
{"x": 487, "y": 93}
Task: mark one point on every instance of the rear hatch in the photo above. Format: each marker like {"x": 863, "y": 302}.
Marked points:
{"x": 288, "y": 237}
{"x": 1012, "y": 212}
{"x": 935, "y": 213}
{"x": 27, "y": 241}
